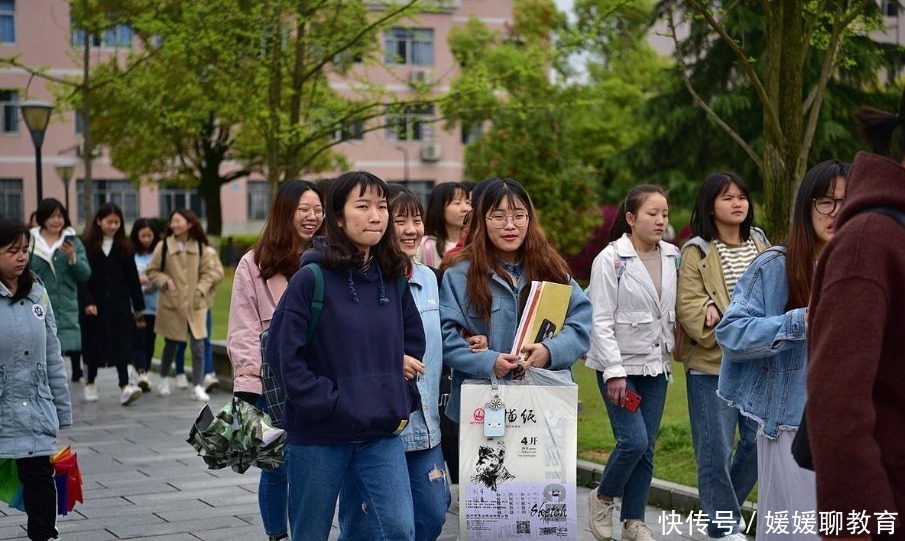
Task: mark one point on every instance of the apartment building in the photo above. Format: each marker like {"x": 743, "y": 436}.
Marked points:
{"x": 40, "y": 34}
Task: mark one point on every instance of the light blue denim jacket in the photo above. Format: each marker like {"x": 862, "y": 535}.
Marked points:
{"x": 764, "y": 347}
{"x": 457, "y": 313}
{"x": 423, "y": 430}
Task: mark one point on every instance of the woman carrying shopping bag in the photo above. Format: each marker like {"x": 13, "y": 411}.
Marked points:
{"x": 33, "y": 375}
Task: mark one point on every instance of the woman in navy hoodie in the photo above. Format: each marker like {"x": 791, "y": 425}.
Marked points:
{"x": 347, "y": 398}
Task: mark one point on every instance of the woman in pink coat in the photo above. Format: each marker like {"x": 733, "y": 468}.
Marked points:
{"x": 261, "y": 279}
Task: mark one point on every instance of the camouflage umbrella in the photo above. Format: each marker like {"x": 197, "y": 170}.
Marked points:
{"x": 239, "y": 436}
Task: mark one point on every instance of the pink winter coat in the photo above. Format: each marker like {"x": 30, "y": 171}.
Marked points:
{"x": 251, "y": 309}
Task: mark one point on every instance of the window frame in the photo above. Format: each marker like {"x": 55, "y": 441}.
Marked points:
{"x": 120, "y": 191}
{"x": 9, "y": 112}
{"x": 406, "y": 46}
{"x": 8, "y": 14}
{"x": 418, "y": 124}
{"x": 12, "y": 187}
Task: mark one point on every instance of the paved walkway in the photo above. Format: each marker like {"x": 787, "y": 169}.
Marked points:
{"x": 143, "y": 481}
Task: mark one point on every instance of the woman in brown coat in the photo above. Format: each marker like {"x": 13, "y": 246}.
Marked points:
{"x": 184, "y": 283}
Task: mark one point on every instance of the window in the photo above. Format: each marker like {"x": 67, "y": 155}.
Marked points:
{"x": 11, "y": 198}
{"x": 7, "y": 21}
{"x": 180, "y": 198}
{"x": 119, "y": 36}
{"x": 411, "y": 124}
{"x": 413, "y": 46}
{"x": 121, "y": 193}
{"x": 421, "y": 188}
{"x": 258, "y": 200}
{"x": 352, "y": 132}
{"x": 9, "y": 111}
{"x": 471, "y": 132}
{"x": 889, "y": 8}
{"x": 79, "y": 123}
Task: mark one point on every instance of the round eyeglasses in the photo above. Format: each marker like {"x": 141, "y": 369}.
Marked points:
{"x": 499, "y": 220}
{"x": 826, "y": 205}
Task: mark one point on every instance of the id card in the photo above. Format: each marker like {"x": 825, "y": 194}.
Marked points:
{"x": 494, "y": 418}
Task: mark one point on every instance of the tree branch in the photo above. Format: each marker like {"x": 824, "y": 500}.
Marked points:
{"x": 715, "y": 25}
{"x": 703, "y": 105}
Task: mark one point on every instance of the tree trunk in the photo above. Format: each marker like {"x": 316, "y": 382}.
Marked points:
{"x": 209, "y": 189}
{"x": 87, "y": 145}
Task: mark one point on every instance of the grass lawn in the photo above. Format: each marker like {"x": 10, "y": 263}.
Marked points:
{"x": 674, "y": 459}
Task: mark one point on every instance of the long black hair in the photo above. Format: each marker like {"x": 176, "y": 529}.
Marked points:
{"x": 339, "y": 251}
{"x": 11, "y": 232}
{"x": 703, "y": 222}
{"x": 94, "y": 236}
{"x": 140, "y": 224}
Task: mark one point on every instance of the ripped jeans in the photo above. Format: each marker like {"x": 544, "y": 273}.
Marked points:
{"x": 430, "y": 494}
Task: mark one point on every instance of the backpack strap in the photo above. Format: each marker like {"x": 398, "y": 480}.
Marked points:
{"x": 163, "y": 257}
{"x": 317, "y": 302}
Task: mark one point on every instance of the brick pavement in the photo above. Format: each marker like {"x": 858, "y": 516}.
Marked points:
{"x": 142, "y": 481}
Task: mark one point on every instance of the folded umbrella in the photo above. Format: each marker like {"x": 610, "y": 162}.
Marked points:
{"x": 239, "y": 436}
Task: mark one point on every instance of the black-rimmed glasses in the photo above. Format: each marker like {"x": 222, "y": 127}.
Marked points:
{"x": 826, "y": 205}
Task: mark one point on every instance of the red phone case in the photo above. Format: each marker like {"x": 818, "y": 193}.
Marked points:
{"x": 632, "y": 401}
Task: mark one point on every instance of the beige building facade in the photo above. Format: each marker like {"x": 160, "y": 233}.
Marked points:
{"x": 39, "y": 33}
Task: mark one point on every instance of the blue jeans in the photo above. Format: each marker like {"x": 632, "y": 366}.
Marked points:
{"x": 208, "y": 352}
{"x": 630, "y": 468}
{"x": 430, "y": 494}
{"x": 273, "y": 493}
{"x": 316, "y": 473}
{"x": 724, "y": 480}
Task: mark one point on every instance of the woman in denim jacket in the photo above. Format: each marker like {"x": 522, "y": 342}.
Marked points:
{"x": 484, "y": 283}
{"x": 633, "y": 293}
{"x": 763, "y": 336}
{"x": 34, "y": 397}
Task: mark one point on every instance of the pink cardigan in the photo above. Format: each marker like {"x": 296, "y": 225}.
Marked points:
{"x": 251, "y": 309}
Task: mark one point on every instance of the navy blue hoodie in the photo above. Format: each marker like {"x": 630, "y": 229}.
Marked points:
{"x": 348, "y": 385}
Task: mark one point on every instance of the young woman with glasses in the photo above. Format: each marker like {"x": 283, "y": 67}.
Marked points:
{"x": 484, "y": 287}
{"x": 763, "y": 335}
{"x": 633, "y": 293}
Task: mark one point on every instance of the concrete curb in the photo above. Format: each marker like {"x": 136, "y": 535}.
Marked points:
{"x": 663, "y": 494}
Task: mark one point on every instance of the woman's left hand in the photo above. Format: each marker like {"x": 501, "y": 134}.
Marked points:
{"x": 536, "y": 355}
{"x": 411, "y": 367}
{"x": 69, "y": 251}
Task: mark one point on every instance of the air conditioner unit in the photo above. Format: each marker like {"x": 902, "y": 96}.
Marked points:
{"x": 430, "y": 153}
{"x": 421, "y": 76}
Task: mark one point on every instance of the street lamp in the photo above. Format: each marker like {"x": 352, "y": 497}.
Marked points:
{"x": 37, "y": 115}
{"x": 405, "y": 162}
{"x": 64, "y": 171}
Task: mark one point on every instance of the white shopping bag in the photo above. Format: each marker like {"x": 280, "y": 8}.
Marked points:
{"x": 520, "y": 485}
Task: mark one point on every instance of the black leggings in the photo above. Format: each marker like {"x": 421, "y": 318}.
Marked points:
{"x": 39, "y": 493}
{"x": 76, "y": 358}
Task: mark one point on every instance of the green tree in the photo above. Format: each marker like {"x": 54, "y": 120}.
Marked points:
{"x": 777, "y": 59}
{"x": 234, "y": 86}
{"x": 505, "y": 83}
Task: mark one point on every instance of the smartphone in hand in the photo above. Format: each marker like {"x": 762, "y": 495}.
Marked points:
{"x": 632, "y": 400}
{"x": 68, "y": 239}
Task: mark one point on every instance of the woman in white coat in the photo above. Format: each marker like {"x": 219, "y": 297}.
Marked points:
{"x": 633, "y": 297}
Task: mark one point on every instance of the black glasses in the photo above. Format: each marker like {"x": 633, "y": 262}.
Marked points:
{"x": 826, "y": 205}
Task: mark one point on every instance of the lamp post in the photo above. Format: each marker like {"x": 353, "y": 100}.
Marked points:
{"x": 37, "y": 115}
{"x": 405, "y": 162}
{"x": 64, "y": 171}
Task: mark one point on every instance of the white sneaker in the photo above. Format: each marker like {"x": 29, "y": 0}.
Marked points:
{"x": 199, "y": 394}
{"x": 144, "y": 382}
{"x": 601, "y": 517}
{"x": 130, "y": 394}
{"x": 181, "y": 381}
{"x": 210, "y": 381}
{"x": 90, "y": 392}
{"x": 164, "y": 387}
{"x": 638, "y": 531}
{"x": 737, "y": 536}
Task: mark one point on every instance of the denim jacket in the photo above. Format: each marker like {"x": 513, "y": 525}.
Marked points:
{"x": 458, "y": 314}
{"x": 764, "y": 347}
{"x": 423, "y": 430}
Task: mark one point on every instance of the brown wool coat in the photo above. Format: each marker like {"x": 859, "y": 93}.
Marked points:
{"x": 185, "y": 308}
